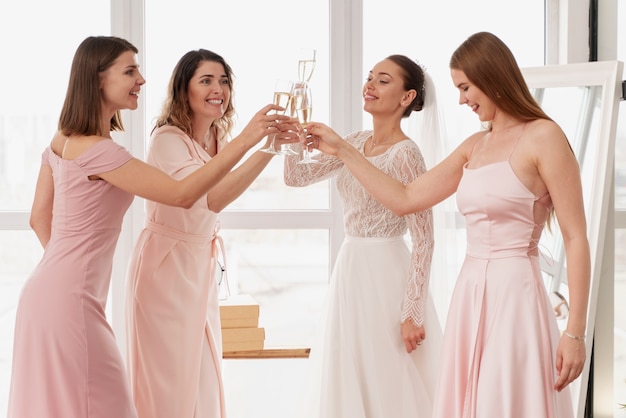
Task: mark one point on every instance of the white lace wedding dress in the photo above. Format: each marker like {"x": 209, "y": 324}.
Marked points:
{"x": 359, "y": 365}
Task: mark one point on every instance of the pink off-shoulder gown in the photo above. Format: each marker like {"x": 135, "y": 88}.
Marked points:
{"x": 66, "y": 363}
{"x": 173, "y": 323}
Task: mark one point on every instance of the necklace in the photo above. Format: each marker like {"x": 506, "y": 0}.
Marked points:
{"x": 204, "y": 141}
{"x": 197, "y": 145}
{"x": 383, "y": 142}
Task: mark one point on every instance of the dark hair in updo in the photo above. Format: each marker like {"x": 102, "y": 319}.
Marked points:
{"x": 413, "y": 79}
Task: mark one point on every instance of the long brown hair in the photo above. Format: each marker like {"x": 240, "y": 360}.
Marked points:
{"x": 490, "y": 65}
{"x": 81, "y": 111}
{"x": 176, "y": 110}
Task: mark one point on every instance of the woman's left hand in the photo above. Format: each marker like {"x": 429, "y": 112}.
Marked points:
{"x": 322, "y": 137}
{"x": 412, "y": 335}
{"x": 570, "y": 359}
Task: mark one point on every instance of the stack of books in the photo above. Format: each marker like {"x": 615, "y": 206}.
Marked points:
{"x": 240, "y": 324}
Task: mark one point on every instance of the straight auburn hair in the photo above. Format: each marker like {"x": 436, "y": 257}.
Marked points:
{"x": 81, "y": 111}
{"x": 490, "y": 65}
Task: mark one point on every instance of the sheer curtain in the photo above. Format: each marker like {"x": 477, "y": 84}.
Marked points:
{"x": 428, "y": 130}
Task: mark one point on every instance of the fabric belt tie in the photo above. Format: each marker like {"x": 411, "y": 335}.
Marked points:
{"x": 217, "y": 247}
{"x": 178, "y": 235}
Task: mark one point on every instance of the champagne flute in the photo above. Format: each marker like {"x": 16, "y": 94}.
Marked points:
{"x": 302, "y": 104}
{"x": 282, "y": 98}
{"x": 306, "y": 64}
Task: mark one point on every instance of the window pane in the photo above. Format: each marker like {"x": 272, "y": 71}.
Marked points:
{"x": 286, "y": 271}
{"x": 260, "y": 48}
{"x": 433, "y": 32}
{"x": 39, "y": 41}
{"x": 19, "y": 254}
{"x": 268, "y": 388}
{"x": 269, "y": 192}
{"x": 437, "y": 29}
{"x": 40, "y": 38}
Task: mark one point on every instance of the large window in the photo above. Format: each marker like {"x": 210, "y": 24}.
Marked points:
{"x": 38, "y": 41}
{"x": 37, "y": 51}
{"x": 277, "y": 238}
{"x": 280, "y": 241}
{"x": 263, "y": 262}
{"x": 417, "y": 41}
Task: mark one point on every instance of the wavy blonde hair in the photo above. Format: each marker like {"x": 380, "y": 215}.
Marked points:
{"x": 176, "y": 110}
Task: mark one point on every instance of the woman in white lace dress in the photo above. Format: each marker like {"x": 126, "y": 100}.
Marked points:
{"x": 377, "y": 354}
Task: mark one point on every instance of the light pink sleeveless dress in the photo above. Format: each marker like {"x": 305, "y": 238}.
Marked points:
{"x": 499, "y": 348}
{"x": 66, "y": 363}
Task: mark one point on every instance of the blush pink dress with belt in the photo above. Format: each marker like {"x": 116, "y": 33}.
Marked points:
{"x": 173, "y": 325}
{"x": 66, "y": 363}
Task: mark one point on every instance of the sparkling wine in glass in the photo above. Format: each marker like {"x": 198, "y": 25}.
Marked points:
{"x": 282, "y": 97}
{"x": 302, "y": 104}
{"x": 306, "y": 64}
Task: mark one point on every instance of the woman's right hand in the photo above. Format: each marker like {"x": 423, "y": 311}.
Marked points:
{"x": 263, "y": 124}
{"x": 322, "y": 137}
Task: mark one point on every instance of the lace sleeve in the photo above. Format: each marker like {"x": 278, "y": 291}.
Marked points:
{"x": 300, "y": 175}
{"x": 409, "y": 165}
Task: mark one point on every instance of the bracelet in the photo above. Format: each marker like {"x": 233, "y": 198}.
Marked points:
{"x": 573, "y": 337}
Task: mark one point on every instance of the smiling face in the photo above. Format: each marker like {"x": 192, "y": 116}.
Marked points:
{"x": 472, "y": 96}
{"x": 383, "y": 91}
{"x": 209, "y": 91}
{"x": 120, "y": 83}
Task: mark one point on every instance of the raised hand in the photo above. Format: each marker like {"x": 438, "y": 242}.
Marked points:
{"x": 263, "y": 124}
{"x": 288, "y": 131}
{"x": 323, "y": 138}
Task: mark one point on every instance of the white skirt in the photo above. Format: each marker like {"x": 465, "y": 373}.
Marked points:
{"x": 359, "y": 365}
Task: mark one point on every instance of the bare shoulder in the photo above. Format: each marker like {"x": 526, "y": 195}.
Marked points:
{"x": 544, "y": 133}
{"x": 546, "y": 137}
{"x": 456, "y": 160}
{"x": 475, "y": 137}
{"x": 467, "y": 146}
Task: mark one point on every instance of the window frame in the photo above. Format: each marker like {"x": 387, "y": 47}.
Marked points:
{"x": 563, "y": 44}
